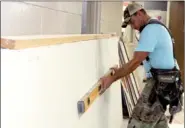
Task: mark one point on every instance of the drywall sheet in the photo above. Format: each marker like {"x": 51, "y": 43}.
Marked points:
{"x": 40, "y": 86}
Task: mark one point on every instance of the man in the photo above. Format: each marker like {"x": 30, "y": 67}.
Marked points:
{"x": 155, "y": 42}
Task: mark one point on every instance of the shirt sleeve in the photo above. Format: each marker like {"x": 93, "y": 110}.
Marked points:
{"x": 148, "y": 39}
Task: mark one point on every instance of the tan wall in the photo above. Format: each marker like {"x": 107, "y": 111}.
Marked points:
{"x": 111, "y": 17}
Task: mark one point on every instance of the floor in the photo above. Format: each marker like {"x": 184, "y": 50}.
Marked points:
{"x": 124, "y": 125}
{"x": 178, "y": 121}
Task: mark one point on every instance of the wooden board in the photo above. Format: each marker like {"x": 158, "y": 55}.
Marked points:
{"x": 124, "y": 81}
{"x": 23, "y": 42}
{"x": 129, "y": 83}
{"x": 132, "y": 77}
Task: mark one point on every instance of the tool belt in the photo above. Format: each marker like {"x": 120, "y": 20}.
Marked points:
{"x": 168, "y": 88}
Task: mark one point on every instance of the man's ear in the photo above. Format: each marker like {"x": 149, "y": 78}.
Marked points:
{"x": 139, "y": 13}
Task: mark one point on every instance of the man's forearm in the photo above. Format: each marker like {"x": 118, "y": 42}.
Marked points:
{"x": 126, "y": 69}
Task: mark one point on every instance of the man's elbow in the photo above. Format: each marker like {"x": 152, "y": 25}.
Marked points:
{"x": 137, "y": 62}
{"x": 139, "y": 57}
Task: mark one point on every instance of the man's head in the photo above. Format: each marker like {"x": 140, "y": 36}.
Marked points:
{"x": 135, "y": 15}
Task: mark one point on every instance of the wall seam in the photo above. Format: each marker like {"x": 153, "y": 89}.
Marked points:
{"x": 51, "y": 8}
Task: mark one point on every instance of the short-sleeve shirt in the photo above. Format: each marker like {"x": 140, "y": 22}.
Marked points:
{"x": 156, "y": 40}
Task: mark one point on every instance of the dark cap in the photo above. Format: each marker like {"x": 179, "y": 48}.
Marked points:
{"x": 129, "y": 11}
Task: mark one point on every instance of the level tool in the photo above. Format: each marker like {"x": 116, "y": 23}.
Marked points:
{"x": 85, "y": 102}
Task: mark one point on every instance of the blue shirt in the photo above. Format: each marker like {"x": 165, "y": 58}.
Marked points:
{"x": 156, "y": 40}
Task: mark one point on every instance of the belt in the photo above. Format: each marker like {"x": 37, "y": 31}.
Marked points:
{"x": 148, "y": 75}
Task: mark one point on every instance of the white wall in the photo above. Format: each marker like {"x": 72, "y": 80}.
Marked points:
{"x": 156, "y": 13}
{"x": 35, "y": 18}
{"x": 40, "y": 86}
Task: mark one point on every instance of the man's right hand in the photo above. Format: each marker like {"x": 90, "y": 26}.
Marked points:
{"x": 106, "y": 81}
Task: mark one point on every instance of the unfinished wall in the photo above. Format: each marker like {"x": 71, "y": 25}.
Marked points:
{"x": 111, "y": 17}
{"x": 40, "y": 86}
{"x": 35, "y": 18}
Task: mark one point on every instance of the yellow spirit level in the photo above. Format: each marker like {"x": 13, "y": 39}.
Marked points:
{"x": 91, "y": 95}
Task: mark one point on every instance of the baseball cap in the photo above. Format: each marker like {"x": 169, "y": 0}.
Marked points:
{"x": 129, "y": 11}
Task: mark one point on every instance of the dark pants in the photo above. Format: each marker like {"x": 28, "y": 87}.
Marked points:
{"x": 124, "y": 105}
